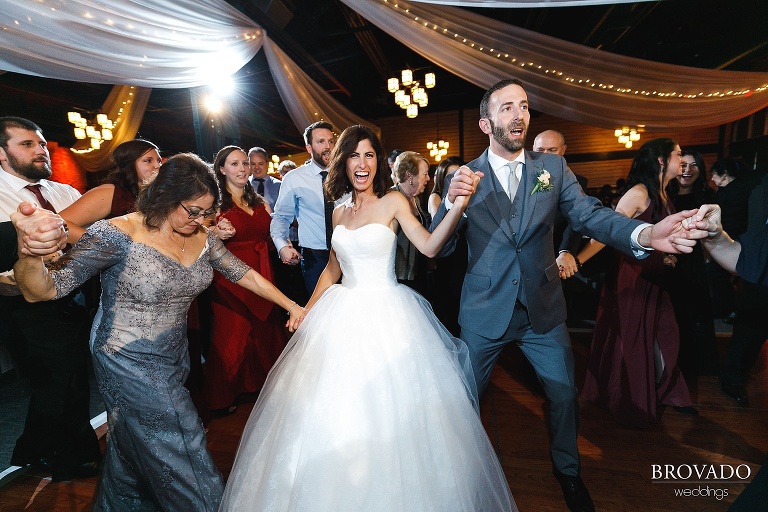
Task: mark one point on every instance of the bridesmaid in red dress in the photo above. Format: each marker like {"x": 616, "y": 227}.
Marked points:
{"x": 248, "y": 331}
{"x": 632, "y": 367}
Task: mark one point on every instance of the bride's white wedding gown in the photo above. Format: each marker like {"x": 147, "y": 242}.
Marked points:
{"x": 368, "y": 408}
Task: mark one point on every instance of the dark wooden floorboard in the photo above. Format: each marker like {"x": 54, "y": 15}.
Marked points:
{"x": 616, "y": 461}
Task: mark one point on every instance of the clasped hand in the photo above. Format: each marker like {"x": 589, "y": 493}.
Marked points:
{"x": 463, "y": 185}
{"x": 41, "y": 232}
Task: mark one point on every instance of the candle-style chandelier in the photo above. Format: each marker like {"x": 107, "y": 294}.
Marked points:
{"x": 438, "y": 149}
{"x": 412, "y": 95}
{"x": 627, "y": 136}
{"x": 97, "y": 129}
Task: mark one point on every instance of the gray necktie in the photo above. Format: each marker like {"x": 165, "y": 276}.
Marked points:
{"x": 512, "y": 181}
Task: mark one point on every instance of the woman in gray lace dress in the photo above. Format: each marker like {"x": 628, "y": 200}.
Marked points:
{"x": 152, "y": 264}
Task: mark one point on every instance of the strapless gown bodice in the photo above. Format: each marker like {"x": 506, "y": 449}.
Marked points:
{"x": 366, "y": 255}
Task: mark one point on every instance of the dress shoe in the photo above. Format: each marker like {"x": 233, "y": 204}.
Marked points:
{"x": 687, "y": 410}
{"x": 575, "y": 493}
{"x": 736, "y": 392}
{"x": 73, "y": 471}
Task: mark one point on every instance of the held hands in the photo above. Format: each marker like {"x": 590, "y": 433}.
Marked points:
{"x": 224, "y": 229}
{"x": 674, "y": 234}
{"x": 41, "y": 232}
{"x": 708, "y": 219}
{"x": 296, "y": 315}
{"x": 289, "y": 255}
{"x": 463, "y": 185}
{"x": 566, "y": 263}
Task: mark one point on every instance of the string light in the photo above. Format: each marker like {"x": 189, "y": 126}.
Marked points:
{"x": 583, "y": 82}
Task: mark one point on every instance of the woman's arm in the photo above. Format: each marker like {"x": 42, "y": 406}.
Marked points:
{"x": 94, "y": 205}
{"x": 329, "y": 276}
{"x": 256, "y": 283}
{"x": 429, "y": 244}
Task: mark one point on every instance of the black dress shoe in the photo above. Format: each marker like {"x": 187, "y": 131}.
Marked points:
{"x": 736, "y": 392}
{"x": 575, "y": 493}
{"x": 73, "y": 471}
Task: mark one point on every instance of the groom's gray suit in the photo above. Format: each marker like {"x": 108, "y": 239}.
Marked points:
{"x": 512, "y": 288}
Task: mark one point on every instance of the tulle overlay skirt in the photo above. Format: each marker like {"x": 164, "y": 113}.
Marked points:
{"x": 369, "y": 408}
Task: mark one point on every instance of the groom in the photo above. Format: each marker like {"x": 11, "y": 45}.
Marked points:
{"x": 512, "y": 290}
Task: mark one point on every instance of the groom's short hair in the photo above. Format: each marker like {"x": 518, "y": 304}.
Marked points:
{"x": 484, "y": 114}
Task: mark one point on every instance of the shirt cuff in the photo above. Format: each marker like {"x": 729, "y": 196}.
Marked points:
{"x": 638, "y": 250}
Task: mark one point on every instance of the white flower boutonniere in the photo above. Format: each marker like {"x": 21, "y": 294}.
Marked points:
{"x": 542, "y": 182}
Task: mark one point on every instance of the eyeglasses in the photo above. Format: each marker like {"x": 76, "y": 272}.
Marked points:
{"x": 685, "y": 165}
{"x": 196, "y": 214}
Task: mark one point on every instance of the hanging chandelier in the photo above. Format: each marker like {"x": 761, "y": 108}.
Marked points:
{"x": 627, "y": 136}
{"x": 97, "y": 129}
{"x": 412, "y": 95}
{"x": 438, "y": 149}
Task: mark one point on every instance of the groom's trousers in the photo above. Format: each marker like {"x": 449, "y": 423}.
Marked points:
{"x": 552, "y": 358}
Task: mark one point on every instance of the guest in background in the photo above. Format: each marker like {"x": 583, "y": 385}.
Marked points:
{"x": 156, "y": 448}
{"x": 285, "y": 167}
{"x": 632, "y": 365}
{"x": 732, "y": 195}
{"x": 138, "y": 162}
{"x": 265, "y": 185}
{"x": 48, "y": 342}
{"x": 689, "y": 288}
{"x": 248, "y": 333}
{"x": 449, "y": 270}
{"x": 302, "y": 199}
{"x": 412, "y": 171}
{"x": 750, "y": 327}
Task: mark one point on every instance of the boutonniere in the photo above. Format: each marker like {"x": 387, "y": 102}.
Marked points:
{"x": 542, "y": 182}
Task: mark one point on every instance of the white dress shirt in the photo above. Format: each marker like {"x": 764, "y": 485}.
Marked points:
{"x": 12, "y": 192}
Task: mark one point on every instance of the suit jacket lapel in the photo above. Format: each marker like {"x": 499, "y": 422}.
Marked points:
{"x": 489, "y": 190}
{"x": 527, "y": 183}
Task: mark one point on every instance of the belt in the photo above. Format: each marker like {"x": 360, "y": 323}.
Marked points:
{"x": 315, "y": 251}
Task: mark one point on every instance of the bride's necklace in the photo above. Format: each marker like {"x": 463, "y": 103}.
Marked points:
{"x": 356, "y": 207}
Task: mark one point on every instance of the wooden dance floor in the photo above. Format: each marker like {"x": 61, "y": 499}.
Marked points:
{"x": 618, "y": 462}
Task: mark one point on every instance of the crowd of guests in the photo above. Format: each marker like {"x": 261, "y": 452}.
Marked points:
{"x": 143, "y": 246}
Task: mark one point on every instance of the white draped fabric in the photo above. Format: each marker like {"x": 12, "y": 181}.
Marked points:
{"x": 565, "y": 79}
{"x": 150, "y": 43}
{"x": 524, "y": 3}
{"x": 305, "y": 100}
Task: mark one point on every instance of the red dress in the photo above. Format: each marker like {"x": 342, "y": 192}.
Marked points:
{"x": 248, "y": 331}
{"x": 635, "y": 311}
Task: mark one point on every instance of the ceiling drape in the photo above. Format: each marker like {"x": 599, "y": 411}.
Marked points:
{"x": 305, "y": 100}
{"x": 565, "y": 79}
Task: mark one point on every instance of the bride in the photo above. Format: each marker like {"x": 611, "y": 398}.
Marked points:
{"x": 372, "y": 405}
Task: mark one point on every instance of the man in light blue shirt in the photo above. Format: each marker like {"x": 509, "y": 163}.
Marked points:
{"x": 301, "y": 197}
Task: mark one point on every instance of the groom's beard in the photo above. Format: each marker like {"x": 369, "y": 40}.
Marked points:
{"x": 501, "y": 136}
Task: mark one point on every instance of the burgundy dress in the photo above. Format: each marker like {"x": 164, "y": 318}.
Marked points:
{"x": 248, "y": 331}
{"x": 635, "y": 310}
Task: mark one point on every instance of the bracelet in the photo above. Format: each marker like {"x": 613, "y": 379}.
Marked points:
{"x": 578, "y": 264}
{"x": 290, "y": 308}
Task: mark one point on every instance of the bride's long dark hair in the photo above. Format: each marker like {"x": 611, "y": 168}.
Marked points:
{"x": 337, "y": 183}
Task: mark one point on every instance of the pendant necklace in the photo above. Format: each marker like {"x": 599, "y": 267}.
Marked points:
{"x": 354, "y": 210}
{"x": 182, "y": 247}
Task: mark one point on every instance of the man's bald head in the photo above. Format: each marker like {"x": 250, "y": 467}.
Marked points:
{"x": 550, "y": 141}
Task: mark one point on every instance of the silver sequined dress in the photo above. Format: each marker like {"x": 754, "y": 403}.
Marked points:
{"x": 156, "y": 449}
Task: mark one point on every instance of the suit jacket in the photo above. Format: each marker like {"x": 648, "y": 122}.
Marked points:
{"x": 7, "y": 246}
{"x": 271, "y": 189}
{"x": 511, "y": 251}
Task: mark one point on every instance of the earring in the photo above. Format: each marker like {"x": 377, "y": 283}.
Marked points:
{"x": 410, "y": 181}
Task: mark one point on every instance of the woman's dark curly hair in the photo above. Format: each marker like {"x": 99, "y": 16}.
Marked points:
{"x": 646, "y": 170}
{"x": 125, "y": 156}
{"x": 337, "y": 183}
{"x": 250, "y": 196}
{"x": 182, "y": 177}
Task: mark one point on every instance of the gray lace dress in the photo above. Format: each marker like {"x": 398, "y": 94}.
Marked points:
{"x": 156, "y": 455}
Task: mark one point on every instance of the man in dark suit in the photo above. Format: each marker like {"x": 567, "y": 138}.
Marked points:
{"x": 567, "y": 241}
{"x": 512, "y": 290}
